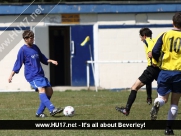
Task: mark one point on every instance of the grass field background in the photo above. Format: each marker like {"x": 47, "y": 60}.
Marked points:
{"x": 89, "y": 105}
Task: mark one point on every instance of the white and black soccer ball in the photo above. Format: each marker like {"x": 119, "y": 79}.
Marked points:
{"x": 69, "y": 111}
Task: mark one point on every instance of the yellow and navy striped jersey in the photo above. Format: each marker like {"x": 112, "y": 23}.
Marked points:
{"x": 158, "y": 63}
{"x": 169, "y": 44}
{"x": 149, "y": 43}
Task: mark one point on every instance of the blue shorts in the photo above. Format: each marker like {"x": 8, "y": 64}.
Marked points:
{"x": 41, "y": 82}
{"x": 169, "y": 81}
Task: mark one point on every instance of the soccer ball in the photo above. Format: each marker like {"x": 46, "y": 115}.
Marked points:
{"x": 69, "y": 111}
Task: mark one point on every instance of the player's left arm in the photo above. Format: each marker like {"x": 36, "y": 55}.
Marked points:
{"x": 52, "y": 61}
{"x": 42, "y": 57}
{"x": 45, "y": 61}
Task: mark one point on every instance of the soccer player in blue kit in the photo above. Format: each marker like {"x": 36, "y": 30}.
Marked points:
{"x": 31, "y": 56}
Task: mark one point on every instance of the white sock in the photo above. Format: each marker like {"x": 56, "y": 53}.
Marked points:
{"x": 172, "y": 113}
{"x": 161, "y": 101}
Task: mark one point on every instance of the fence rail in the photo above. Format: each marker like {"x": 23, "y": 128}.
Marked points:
{"x": 104, "y": 62}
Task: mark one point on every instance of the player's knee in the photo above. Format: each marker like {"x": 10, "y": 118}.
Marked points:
{"x": 165, "y": 99}
{"x": 136, "y": 87}
{"x": 49, "y": 91}
{"x": 41, "y": 90}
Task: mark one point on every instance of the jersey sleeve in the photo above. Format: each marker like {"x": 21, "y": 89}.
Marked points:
{"x": 149, "y": 43}
{"x": 19, "y": 61}
{"x": 150, "y": 47}
{"x": 43, "y": 58}
{"x": 156, "y": 52}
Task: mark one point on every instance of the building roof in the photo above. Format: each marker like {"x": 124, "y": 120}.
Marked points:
{"x": 89, "y": 8}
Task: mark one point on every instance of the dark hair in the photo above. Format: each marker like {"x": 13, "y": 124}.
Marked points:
{"x": 145, "y": 32}
{"x": 27, "y": 34}
{"x": 177, "y": 20}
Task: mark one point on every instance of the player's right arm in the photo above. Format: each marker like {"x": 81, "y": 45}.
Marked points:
{"x": 11, "y": 76}
{"x": 156, "y": 52}
{"x": 17, "y": 65}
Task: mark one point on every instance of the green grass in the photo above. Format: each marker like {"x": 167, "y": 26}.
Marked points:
{"x": 89, "y": 105}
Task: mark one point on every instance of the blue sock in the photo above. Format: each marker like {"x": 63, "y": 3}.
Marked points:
{"x": 44, "y": 100}
{"x": 42, "y": 107}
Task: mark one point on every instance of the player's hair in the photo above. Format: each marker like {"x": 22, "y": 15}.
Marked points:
{"x": 145, "y": 32}
{"x": 27, "y": 34}
{"x": 177, "y": 20}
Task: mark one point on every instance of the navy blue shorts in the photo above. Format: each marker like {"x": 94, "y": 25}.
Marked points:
{"x": 40, "y": 83}
{"x": 169, "y": 81}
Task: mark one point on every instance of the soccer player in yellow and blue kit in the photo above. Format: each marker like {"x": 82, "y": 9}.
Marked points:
{"x": 149, "y": 43}
{"x": 169, "y": 79}
{"x": 147, "y": 77}
{"x": 31, "y": 56}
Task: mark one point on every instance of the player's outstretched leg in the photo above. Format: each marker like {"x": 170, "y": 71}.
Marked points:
{"x": 154, "y": 110}
{"x": 130, "y": 101}
{"x": 132, "y": 96}
{"x": 49, "y": 105}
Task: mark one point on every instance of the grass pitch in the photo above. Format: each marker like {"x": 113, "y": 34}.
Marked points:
{"x": 89, "y": 105}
